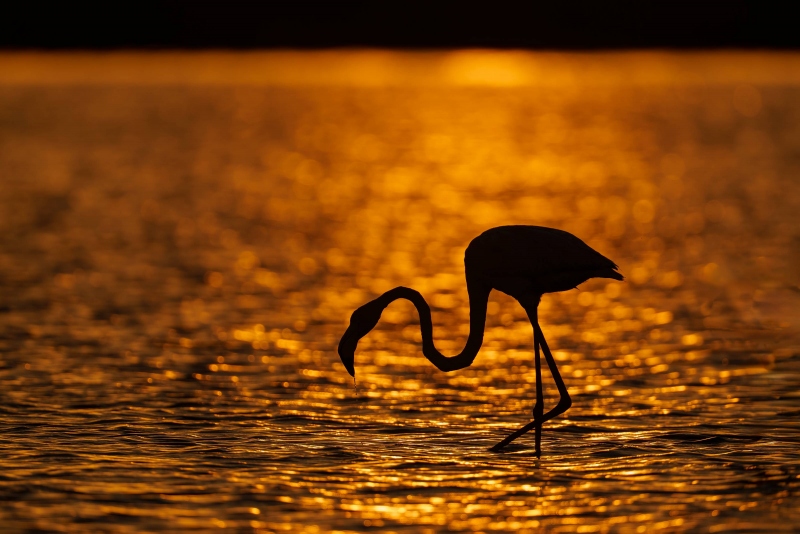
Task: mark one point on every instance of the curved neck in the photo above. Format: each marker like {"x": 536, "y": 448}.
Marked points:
{"x": 478, "y": 300}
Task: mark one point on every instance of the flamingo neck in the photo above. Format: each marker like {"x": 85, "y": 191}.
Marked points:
{"x": 478, "y": 300}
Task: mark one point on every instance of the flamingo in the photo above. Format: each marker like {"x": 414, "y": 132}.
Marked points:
{"x": 524, "y": 262}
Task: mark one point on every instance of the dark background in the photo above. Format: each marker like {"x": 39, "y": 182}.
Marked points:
{"x": 570, "y": 24}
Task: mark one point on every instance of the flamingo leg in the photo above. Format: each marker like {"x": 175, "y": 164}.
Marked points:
{"x": 564, "y": 402}
{"x": 538, "y": 408}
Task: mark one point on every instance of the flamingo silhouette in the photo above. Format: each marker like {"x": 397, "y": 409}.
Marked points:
{"x": 524, "y": 262}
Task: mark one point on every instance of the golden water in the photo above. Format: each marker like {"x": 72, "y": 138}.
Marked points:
{"x": 180, "y": 253}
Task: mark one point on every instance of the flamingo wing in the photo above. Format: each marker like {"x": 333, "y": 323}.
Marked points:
{"x": 542, "y": 259}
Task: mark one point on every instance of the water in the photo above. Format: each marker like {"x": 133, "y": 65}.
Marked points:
{"x": 178, "y": 262}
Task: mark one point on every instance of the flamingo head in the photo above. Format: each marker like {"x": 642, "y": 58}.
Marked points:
{"x": 362, "y": 321}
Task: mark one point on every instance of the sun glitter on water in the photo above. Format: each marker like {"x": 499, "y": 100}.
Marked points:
{"x": 185, "y": 235}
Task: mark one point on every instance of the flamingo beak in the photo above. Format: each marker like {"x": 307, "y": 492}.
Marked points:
{"x": 347, "y": 351}
{"x": 362, "y": 321}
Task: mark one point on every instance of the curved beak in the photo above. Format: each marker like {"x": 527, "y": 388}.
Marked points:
{"x": 347, "y": 351}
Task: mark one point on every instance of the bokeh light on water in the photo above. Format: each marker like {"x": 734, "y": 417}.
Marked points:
{"x": 185, "y": 236}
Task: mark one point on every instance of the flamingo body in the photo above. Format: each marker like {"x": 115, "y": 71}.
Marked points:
{"x": 522, "y": 260}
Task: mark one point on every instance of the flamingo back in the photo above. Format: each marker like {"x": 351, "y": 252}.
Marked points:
{"x": 536, "y": 259}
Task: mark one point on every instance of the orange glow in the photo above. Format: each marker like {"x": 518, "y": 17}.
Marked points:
{"x": 186, "y": 234}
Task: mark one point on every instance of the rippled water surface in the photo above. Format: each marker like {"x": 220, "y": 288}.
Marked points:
{"x": 178, "y": 261}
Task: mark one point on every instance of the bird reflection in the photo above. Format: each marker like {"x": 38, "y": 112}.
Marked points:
{"x": 524, "y": 262}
